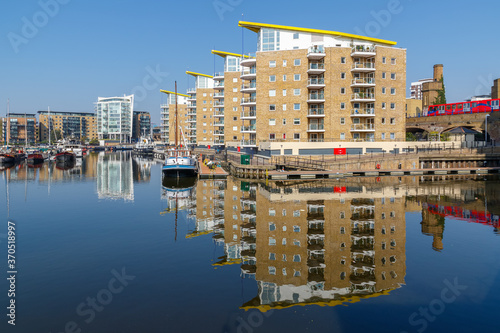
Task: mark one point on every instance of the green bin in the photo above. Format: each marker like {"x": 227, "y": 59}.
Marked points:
{"x": 245, "y": 159}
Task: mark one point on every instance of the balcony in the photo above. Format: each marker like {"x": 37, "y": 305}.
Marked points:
{"x": 191, "y": 91}
{"x": 191, "y": 120}
{"x": 363, "y": 112}
{"x": 219, "y": 104}
{"x": 191, "y": 106}
{"x": 316, "y": 68}
{"x": 219, "y": 85}
{"x": 363, "y": 128}
{"x": 248, "y": 143}
{"x": 362, "y": 97}
{"x": 363, "y": 82}
{"x": 363, "y": 67}
{"x": 248, "y": 101}
{"x": 219, "y": 133}
{"x": 219, "y": 142}
{"x": 191, "y": 135}
{"x": 316, "y": 128}
{"x": 219, "y": 114}
{"x": 248, "y": 115}
{"x": 316, "y": 113}
{"x": 316, "y": 98}
{"x": 191, "y": 127}
{"x": 249, "y": 74}
{"x": 316, "y": 83}
{"x": 248, "y": 129}
{"x": 219, "y": 95}
{"x": 219, "y": 76}
{"x": 191, "y": 113}
{"x": 219, "y": 123}
{"x": 248, "y": 60}
{"x": 316, "y": 52}
{"x": 363, "y": 51}
{"x": 248, "y": 87}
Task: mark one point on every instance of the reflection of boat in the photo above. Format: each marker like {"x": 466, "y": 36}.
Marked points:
{"x": 66, "y": 157}
{"x": 65, "y": 165}
{"x": 144, "y": 146}
{"x": 35, "y": 158}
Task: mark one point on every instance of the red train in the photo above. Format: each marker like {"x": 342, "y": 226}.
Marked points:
{"x": 486, "y": 105}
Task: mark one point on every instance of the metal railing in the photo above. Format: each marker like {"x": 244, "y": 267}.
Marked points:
{"x": 362, "y": 96}
{"x": 316, "y": 81}
{"x": 362, "y": 127}
{"x": 316, "y": 127}
{"x": 248, "y": 128}
{"x": 370, "y": 111}
{"x": 316, "y": 96}
{"x": 315, "y": 111}
{"x": 316, "y": 65}
{"x": 363, "y": 65}
{"x": 246, "y": 114}
{"x": 248, "y": 100}
{"x": 363, "y": 80}
{"x": 316, "y": 49}
{"x": 363, "y": 48}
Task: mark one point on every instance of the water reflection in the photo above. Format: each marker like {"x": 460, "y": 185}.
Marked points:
{"x": 325, "y": 242}
{"x": 115, "y": 176}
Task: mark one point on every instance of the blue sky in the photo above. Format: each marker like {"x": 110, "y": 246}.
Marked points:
{"x": 83, "y": 49}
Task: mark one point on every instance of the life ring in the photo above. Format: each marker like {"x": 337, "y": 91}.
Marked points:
{"x": 378, "y": 179}
{"x": 377, "y": 166}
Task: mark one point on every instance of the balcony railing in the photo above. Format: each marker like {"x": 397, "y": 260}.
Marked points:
{"x": 316, "y": 127}
{"x": 218, "y": 74}
{"x": 369, "y": 111}
{"x": 316, "y": 111}
{"x": 217, "y": 132}
{"x": 248, "y": 114}
{"x": 252, "y": 70}
{"x": 363, "y": 127}
{"x": 221, "y": 94}
{"x": 219, "y": 103}
{"x": 316, "y": 96}
{"x": 248, "y": 128}
{"x": 316, "y": 81}
{"x": 249, "y": 85}
{"x": 248, "y": 142}
{"x": 316, "y": 65}
{"x": 363, "y": 80}
{"x": 316, "y": 49}
{"x": 219, "y": 84}
{"x": 362, "y": 96}
{"x": 191, "y": 91}
{"x": 363, "y": 65}
{"x": 219, "y": 123}
{"x": 245, "y": 100}
{"x": 363, "y": 48}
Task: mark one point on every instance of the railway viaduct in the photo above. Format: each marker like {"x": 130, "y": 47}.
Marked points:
{"x": 440, "y": 124}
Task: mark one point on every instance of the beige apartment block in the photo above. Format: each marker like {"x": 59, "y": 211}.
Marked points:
{"x": 322, "y": 86}
{"x": 67, "y": 125}
{"x": 19, "y": 128}
{"x": 168, "y": 112}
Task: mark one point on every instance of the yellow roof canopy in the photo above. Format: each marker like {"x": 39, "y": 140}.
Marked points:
{"x": 198, "y": 74}
{"x": 225, "y": 54}
{"x": 255, "y": 27}
{"x": 173, "y": 93}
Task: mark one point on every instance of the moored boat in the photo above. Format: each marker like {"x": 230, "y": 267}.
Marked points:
{"x": 35, "y": 158}
{"x": 144, "y": 146}
{"x": 65, "y": 157}
{"x": 180, "y": 163}
{"x": 6, "y": 158}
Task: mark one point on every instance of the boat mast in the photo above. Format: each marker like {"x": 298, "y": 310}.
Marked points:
{"x": 8, "y": 122}
{"x": 176, "y": 116}
{"x": 48, "y": 119}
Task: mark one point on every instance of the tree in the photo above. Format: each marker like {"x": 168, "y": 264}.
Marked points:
{"x": 411, "y": 136}
{"x": 441, "y": 97}
{"x": 94, "y": 142}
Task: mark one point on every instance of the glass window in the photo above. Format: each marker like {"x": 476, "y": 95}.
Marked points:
{"x": 272, "y": 212}
{"x": 393, "y": 106}
{"x": 382, "y": 136}
{"x": 296, "y": 62}
{"x": 342, "y": 121}
{"x": 272, "y": 256}
{"x": 296, "y": 121}
{"x": 296, "y": 106}
{"x": 383, "y": 60}
{"x": 383, "y": 90}
{"x": 393, "y": 76}
{"x": 284, "y": 63}
{"x": 296, "y": 258}
{"x": 342, "y": 76}
{"x": 393, "y": 136}
{"x": 296, "y": 92}
{"x": 272, "y": 63}
{"x": 296, "y": 35}
{"x": 296, "y": 136}
{"x": 272, "y": 107}
{"x": 393, "y": 91}
{"x": 284, "y": 77}
{"x": 284, "y": 107}
{"x": 272, "y": 78}
{"x": 272, "y": 122}
{"x": 272, "y": 93}
{"x": 342, "y": 91}
{"x": 383, "y": 105}
{"x": 342, "y": 60}
{"x": 342, "y": 106}
{"x": 284, "y": 121}
{"x": 393, "y": 121}
{"x": 383, "y": 75}
{"x": 296, "y": 77}
{"x": 272, "y": 270}
{"x": 296, "y": 228}
{"x": 284, "y": 92}
{"x": 342, "y": 136}
{"x": 272, "y": 226}
{"x": 393, "y": 61}
{"x": 272, "y": 241}
{"x": 272, "y": 136}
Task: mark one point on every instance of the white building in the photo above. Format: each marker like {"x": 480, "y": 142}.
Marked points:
{"x": 114, "y": 117}
{"x": 416, "y": 88}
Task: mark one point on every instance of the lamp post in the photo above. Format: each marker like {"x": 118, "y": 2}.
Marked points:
{"x": 486, "y": 129}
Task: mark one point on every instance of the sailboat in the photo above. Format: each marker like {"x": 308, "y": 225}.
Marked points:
{"x": 179, "y": 161}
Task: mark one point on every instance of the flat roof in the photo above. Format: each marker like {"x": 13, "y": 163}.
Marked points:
{"x": 255, "y": 27}
{"x": 67, "y": 113}
{"x": 21, "y": 115}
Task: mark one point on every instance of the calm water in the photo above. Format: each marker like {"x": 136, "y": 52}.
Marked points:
{"x": 105, "y": 247}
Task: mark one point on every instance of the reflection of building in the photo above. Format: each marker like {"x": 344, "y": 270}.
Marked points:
{"x": 19, "y": 127}
{"x": 115, "y": 176}
{"x": 142, "y": 168}
{"x": 77, "y": 125}
{"x": 114, "y": 117}
{"x": 209, "y": 206}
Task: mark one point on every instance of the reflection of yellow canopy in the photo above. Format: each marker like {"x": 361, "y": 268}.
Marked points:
{"x": 199, "y": 233}
{"x": 255, "y": 27}
{"x": 228, "y": 262}
{"x": 284, "y": 305}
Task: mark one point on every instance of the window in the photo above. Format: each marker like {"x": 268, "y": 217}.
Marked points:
{"x": 296, "y": 136}
{"x": 342, "y": 136}
{"x": 272, "y": 78}
{"x": 393, "y": 76}
{"x": 393, "y": 136}
{"x": 296, "y": 77}
{"x": 284, "y": 121}
{"x": 342, "y": 91}
{"x": 296, "y": 228}
{"x": 235, "y": 118}
{"x": 284, "y": 107}
{"x": 235, "y": 79}
{"x": 272, "y": 63}
{"x": 342, "y": 76}
{"x": 383, "y": 90}
{"x": 296, "y": 213}
{"x": 272, "y": 93}
{"x": 383, "y": 120}
{"x": 296, "y": 62}
{"x": 382, "y": 136}
{"x": 393, "y": 91}
{"x": 272, "y": 122}
{"x": 272, "y": 107}
{"x": 296, "y": 92}
{"x": 296, "y": 258}
{"x": 296, "y": 35}
{"x": 272, "y": 136}
{"x": 272, "y": 256}
{"x": 296, "y": 106}
{"x": 296, "y": 242}
{"x": 342, "y": 106}
{"x": 383, "y": 105}
{"x": 235, "y": 108}
{"x": 393, "y": 61}
{"x": 342, "y": 60}
{"x": 272, "y": 212}
{"x": 272, "y": 226}
{"x": 383, "y": 60}
{"x": 393, "y": 121}
{"x": 284, "y": 92}
{"x": 283, "y": 257}
{"x": 342, "y": 230}
{"x": 272, "y": 241}
{"x": 342, "y": 121}
{"x": 272, "y": 270}
{"x": 284, "y": 78}
{"x": 393, "y": 106}
{"x": 284, "y": 63}
{"x": 283, "y": 241}
{"x": 342, "y": 215}
{"x": 296, "y": 121}
{"x": 383, "y": 75}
